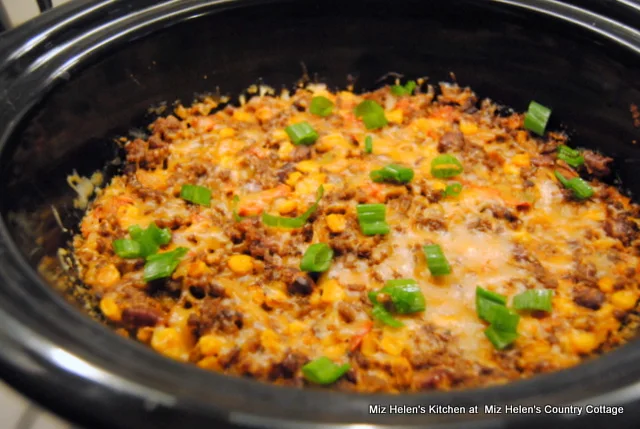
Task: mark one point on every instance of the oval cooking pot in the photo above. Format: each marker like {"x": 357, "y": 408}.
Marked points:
{"x": 86, "y": 72}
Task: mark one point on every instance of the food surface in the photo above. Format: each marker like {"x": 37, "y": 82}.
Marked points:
{"x": 407, "y": 239}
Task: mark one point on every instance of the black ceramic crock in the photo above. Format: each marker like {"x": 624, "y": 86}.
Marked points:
{"x": 84, "y": 73}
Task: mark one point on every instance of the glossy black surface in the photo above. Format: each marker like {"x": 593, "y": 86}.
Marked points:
{"x": 68, "y": 87}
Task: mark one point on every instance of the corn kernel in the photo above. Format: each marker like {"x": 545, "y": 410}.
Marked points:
{"x": 296, "y": 328}
{"x": 605, "y": 284}
{"x": 307, "y": 166}
{"x": 583, "y": 342}
{"x": 438, "y": 186}
{"x": 197, "y": 269}
{"x": 210, "y": 344}
{"x": 241, "y": 264}
{"x": 287, "y": 206}
{"x": 511, "y": 169}
{"x": 294, "y": 178}
{"x": 270, "y": 341}
{"x": 227, "y": 133}
{"x": 107, "y": 276}
{"x": 168, "y": 341}
{"x": 624, "y": 299}
{"x": 110, "y": 309}
{"x": 211, "y": 363}
{"x": 428, "y": 124}
{"x": 369, "y": 345}
{"x": 241, "y": 115}
{"x": 467, "y": 127}
{"x": 331, "y": 291}
{"x": 336, "y": 223}
{"x": 280, "y": 134}
{"x": 264, "y": 114}
{"x": 395, "y": 116}
{"x": 328, "y": 142}
{"x": 335, "y": 352}
{"x": 521, "y": 160}
{"x": 391, "y": 344}
{"x": 144, "y": 334}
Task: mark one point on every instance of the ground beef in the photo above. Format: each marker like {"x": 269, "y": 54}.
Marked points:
{"x": 588, "y": 297}
{"x": 451, "y": 141}
{"x": 597, "y": 164}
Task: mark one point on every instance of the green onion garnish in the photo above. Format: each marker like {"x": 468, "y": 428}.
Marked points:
{"x": 392, "y": 173}
{"x": 536, "y": 118}
{"x": 126, "y": 248}
{"x": 372, "y": 219}
{"x": 321, "y": 106}
{"x": 490, "y": 296}
{"x": 445, "y": 166}
{"x": 324, "y": 371}
{"x": 380, "y": 313}
{"x": 196, "y": 194}
{"x": 581, "y": 189}
{"x": 150, "y": 239}
{"x": 534, "y": 299}
{"x": 317, "y": 258}
{"x": 500, "y": 339}
{"x": 405, "y": 294}
{"x": 453, "y": 190}
{"x": 162, "y": 265}
{"x": 436, "y": 261}
{"x": 371, "y": 113}
{"x": 407, "y": 89}
{"x": 368, "y": 144}
{"x": 570, "y": 156}
{"x": 491, "y": 307}
{"x": 301, "y": 133}
{"x": 293, "y": 222}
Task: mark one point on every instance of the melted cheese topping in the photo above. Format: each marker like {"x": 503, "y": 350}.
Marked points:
{"x": 511, "y": 229}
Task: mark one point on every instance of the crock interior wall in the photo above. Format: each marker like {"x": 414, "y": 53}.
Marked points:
{"x": 510, "y": 57}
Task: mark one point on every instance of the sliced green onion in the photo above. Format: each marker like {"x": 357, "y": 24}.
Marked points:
{"x": 405, "y": 294}
{"x": 321, "y": 106}
{"x": 368, "y": 144}
{"x": 436, "y": 261}
{"x": 317, "y": 258}
{"x": 536, "y": 118}
{"x": 392, "y": 173}
{"x": 375, "y": 228}
{"x": 491, "y": 296}
{"x": 500, "y": 339}
{"x": 407, "y": 89}
{"x": 382, "y": 314}
{"x": 150, "y": 239}
{"x": 570, "y": 156}
{"x": 293, "y": 222}
{"x": 445, "y": 166}
{"x": 371, "y": 212}
{"x": 534, "y": 299}
{"x": 371, "y": 113}
{"x": 372, "y": 219}
{"x": 453, "y": 190}
{"x": 301, "y": 133}
{"x": 196, "y": 194}
{"x": 126, "y": 248}
{"x": 162, "y": 265}
{"x": 581, "y": 189}
{"x": 324, "y": 371}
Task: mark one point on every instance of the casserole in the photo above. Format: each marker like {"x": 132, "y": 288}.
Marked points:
{"x": 124, "y": 62}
